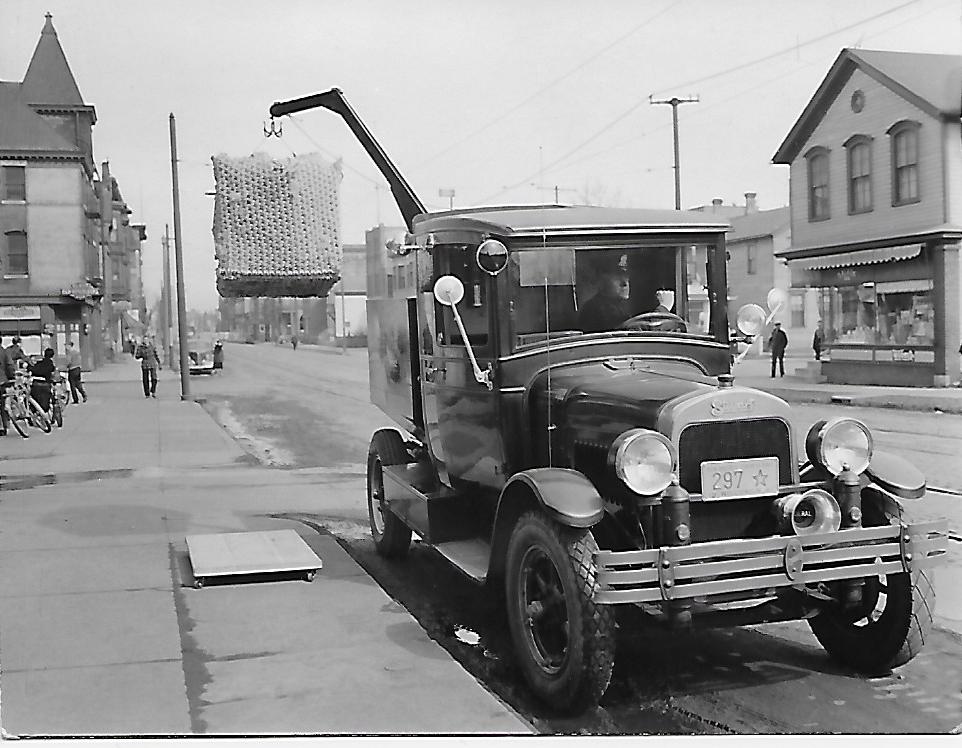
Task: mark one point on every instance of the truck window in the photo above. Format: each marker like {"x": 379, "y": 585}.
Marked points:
{"x": 459, "y": 260}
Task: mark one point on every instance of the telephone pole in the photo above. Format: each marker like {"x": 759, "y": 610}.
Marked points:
{"x": 106, "y": 221}
{"x": 675, "y": 101}
{"x": 179, "y": 263}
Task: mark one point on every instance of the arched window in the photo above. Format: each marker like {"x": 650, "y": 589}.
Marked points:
{"x": 904, "y": 137}
{"x": 859, "y": 149}
{"x": 16, "y": 253}
{"x": 818, "y": 197}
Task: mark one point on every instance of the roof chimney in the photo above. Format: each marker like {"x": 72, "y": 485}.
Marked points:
{"x": 750, "y": 206}
{"x": 716, "y": 204}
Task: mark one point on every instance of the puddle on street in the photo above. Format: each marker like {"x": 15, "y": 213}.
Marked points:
{"x": 467, "y": 636}
{"x": 23, "y": 482}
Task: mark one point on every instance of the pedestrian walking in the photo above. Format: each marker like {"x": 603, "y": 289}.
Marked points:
{"x": 777, "y": 343}
{"x": 74, "y": 373}
{"x": 218, "y": 356}
{"x": 7, "y": 373}
{"x": 149, "y": 365}
{"x": 294, "y": 341}
{"x": 817, "y": 343}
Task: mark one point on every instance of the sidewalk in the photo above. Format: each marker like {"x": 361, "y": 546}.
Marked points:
{"x": 102, "y": 632}
{"x": 756, "y": 372}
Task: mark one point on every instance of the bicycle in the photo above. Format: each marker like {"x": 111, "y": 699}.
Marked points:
{"x": 21, "y": 408}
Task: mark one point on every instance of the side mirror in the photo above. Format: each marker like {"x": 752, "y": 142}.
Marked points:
{"x": 448, "y": 290}
{"x": 492, "y": 256}
{"x": 776, "y": 300}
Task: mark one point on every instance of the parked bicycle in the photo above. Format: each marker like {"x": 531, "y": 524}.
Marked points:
{"x": 22, "y": 409}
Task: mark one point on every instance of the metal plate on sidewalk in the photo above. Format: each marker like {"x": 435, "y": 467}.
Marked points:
{"x": 233, "y": 553}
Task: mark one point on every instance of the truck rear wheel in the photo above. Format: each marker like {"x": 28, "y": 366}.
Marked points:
{"x": 889, "y": 628}
{"x": 564, "y": 642}
{"x": 392, "y": 538}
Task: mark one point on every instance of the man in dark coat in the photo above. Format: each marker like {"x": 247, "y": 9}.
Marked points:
{"x": 817, "y": 343}
{"x": 778, "y": 342}
{"x": 608, "y": 308}
{"x": 7, "y": 372}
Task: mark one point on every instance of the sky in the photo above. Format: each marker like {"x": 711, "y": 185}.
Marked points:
{"x": 502, "y": 101}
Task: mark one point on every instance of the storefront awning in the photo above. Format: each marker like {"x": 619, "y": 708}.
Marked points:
{"x": 858, "y": 257}
{"x": 132, "y": 322}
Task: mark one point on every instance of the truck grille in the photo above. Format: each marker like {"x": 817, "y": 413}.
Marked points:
{"x": 731, "y": 440}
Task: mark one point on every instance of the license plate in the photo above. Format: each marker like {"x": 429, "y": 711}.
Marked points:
{"x": 738, "y": 479}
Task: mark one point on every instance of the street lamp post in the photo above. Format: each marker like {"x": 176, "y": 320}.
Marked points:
{"x": 179, "y": 264}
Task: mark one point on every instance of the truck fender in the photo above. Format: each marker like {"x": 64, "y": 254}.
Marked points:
{"x": 565, "y": 495}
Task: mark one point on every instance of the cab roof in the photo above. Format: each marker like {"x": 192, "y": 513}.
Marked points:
{"x": 532, "y": 220}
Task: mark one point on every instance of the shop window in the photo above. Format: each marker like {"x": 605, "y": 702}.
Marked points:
{"x": 818, "y": 195}
{"x": 906, "y": 314}
{"x": 797, "y": 302}
{"x": 752, "y": 263}
{"x": 905, "y": 162}
{"x": 16, "y": 253}
{"x": 14, "y": 183}
{"x": 859, "y": 152}
{"x": 848, "y": 314}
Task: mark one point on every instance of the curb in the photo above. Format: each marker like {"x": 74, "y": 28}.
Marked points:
{"x": 921, "y": 404}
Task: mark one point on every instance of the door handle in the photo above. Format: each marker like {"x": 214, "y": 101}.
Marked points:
{"x": 430, "y": 372}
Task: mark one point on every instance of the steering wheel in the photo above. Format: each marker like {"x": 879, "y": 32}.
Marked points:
{"x": 657, "y": 321}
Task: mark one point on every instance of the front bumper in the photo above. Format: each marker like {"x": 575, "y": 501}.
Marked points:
{"x": 730, "y": 567}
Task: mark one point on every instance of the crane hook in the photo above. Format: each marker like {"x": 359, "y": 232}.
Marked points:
{"x": 276, "y": 129}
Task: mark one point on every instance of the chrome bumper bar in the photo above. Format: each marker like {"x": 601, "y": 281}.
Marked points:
{"x": 736, "y": 566}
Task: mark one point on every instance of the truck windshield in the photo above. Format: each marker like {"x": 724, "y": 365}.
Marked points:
{"x": 569, "y": 291}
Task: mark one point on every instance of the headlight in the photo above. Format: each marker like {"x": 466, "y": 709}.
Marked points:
{"x": 644, "y": 460}
{"x": 839, "y": 443}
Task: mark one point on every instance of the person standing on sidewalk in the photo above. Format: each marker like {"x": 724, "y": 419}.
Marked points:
{"x": 14, "y": 351}
{"x": 74, "y": 373}
{"x": 7, "y": 373}
{"x": 817, "y": 343}
{"x": 149, "y": 365}
{"x": 778, "y": 342}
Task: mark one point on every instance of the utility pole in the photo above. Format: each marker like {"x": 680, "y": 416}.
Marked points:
{"x": 165, "y": 303}
{"x": 675, "y": 101}
{"x": 106, "y": 219}
{"x": 179, "y": 263}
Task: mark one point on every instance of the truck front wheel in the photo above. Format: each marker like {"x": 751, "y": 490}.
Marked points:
{"x": 392, "y": 538}
{"x": 890, "y": 626}
{"x": 564, "y": 642}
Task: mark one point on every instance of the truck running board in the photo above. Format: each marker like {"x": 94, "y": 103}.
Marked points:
{"x": 470, "y": 556}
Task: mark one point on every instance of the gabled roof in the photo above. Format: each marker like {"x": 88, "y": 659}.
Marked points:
{"x": 23, "y": 132}
{"x": 931, "y": 82}
{"x": 758, "y": 224}
{"x": 49, "y": 79}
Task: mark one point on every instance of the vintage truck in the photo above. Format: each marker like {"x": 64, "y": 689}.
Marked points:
{"x": 581, "y": 464}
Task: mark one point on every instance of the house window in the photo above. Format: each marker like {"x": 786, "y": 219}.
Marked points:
{"x": 752, "y": 266}
{"x": 797, "y": 303}
{"x": 818, "y": 207}
{"x": 16, "y": 260}
{"x": 905, "y": 162}
{"x": 14, "y": 183}
{"x": 859, "y": 149}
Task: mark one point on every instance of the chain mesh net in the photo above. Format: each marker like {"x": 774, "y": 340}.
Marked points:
{"x": 276, "y": 225}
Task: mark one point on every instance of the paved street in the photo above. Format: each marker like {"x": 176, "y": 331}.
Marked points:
{"x": 306, "y": 411}
{"x": 102, "y": 632}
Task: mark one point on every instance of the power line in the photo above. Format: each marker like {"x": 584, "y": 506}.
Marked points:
{"x": 702, "y": 79}
{"x": 504, "y": 115}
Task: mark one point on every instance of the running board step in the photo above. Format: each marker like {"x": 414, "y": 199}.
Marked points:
{"x": 471, "y": 556}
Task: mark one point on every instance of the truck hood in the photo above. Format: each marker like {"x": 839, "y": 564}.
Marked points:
{"x": 599, "y": 402}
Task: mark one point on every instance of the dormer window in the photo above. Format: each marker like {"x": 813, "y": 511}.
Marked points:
{"x": 818, "y": 195}
{"x": 859, "y": 150}
{"x": 905, "y": 162}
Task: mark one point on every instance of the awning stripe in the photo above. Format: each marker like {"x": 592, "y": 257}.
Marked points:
{"x": 858, "y": 257}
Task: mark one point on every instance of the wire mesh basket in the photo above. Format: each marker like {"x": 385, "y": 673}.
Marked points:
{"x": 276, "y": 225}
